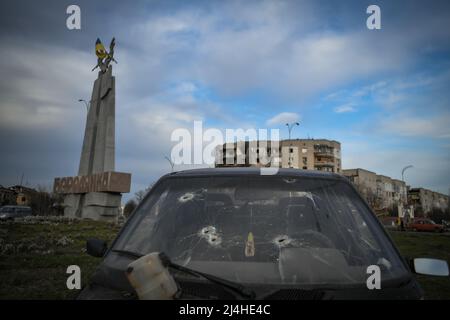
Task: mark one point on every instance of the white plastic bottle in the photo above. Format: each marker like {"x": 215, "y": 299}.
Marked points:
{"x": 151, "y": 279}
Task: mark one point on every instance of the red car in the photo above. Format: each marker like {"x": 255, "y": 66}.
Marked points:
{"x": 425, "y": 225}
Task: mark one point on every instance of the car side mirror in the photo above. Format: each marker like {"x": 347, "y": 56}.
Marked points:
{"x": 430, "y": 267}
{"x": 96, "y": 247}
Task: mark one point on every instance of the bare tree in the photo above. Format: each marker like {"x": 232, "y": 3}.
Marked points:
{"x": 139, "y": 195}
{"x": 43, "y": 202}
{"x": 129, "y": 207}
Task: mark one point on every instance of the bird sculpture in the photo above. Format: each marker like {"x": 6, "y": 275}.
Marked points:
{"x": 104, "y": 58}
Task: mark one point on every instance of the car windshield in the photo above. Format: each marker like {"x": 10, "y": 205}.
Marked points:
{"x": 263, "y": 229}
{"x": 6, "y": 210}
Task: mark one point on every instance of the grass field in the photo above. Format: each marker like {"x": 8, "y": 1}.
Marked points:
{"x": 426, "y": 245}
{"x": 34, "y": 256}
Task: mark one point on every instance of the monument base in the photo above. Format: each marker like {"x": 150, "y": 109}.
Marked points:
{"x": 92, "y": 205}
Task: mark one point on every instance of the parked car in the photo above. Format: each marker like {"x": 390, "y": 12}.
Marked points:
{"x": 425, "y": 225}
{"x": 12, "y": 212}
{"x": 232, "y": 233}
{"x": 446, "y": 225}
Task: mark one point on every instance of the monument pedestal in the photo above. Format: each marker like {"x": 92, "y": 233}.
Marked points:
{"x": 101, "y": 205}
{"x": 92, "y": 205}
{"x": 94, "y": 196}
{"x": 70, "y": 204}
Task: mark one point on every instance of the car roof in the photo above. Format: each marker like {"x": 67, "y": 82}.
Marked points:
{"x": 252, "y": 171}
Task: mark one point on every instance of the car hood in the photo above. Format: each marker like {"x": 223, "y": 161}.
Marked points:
{"x": 109, "y": 282}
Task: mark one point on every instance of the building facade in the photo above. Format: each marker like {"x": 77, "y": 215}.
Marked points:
{"x": 400, "y": 194}
{"x": 425, "y": 201}
{"x": 7, "y": 196}
{"x": 16, "y": 195}
{"x": 306, "y": 154}
{"x": 366, "y": 183}
{"x": 381, "y": 192}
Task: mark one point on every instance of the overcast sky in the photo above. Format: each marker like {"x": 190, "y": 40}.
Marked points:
{"x": 384, "y": 94}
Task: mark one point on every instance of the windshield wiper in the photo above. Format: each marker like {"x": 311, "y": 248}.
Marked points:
{"x": 241, "y": 290}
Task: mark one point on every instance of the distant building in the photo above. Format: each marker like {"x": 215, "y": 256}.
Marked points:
{"x": 7, "y": 196}
{"x": 380, "y": 191}
{"x": 385, "y": 191}
{"x": 16, "y": 195}
{"x": 425, "y": 201}
{"x": 366, "y": 183}
{"x": 400, "y": 194}
{"x": 23, "y": 194}
{"x": 306, "y": 154}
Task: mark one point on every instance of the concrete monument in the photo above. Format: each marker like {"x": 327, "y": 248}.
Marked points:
{"x": 96, "y": 192}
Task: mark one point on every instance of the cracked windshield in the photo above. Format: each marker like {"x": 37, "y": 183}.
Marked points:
{"x": 275, "y": 229}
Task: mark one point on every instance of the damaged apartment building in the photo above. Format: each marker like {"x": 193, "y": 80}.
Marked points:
{"x": 307, "y": 154}
{"x": 385, "y": 193}
{"x": 381, "y": 192}
{"x": 426, "y": 201}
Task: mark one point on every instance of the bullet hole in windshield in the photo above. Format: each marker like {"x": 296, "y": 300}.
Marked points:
{"x": 186, "y": 197}
{"x": 193, "y": 195}
{"x": 211, "y": 235}
{"x": 207, "y": 230}
{"x": 282, "y": 241}
{"x": 214, "y": 240}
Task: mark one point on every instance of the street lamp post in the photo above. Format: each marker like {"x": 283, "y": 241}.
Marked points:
{"x": 171, "y": 162}
{"x": 403, "y": 179}
{"x": 403, "y": 171}
{"x": 86, "y": 103}
{"x": 290, "y": 126}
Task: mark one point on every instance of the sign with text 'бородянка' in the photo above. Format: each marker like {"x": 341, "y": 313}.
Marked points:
{"x": 100, "y": 182}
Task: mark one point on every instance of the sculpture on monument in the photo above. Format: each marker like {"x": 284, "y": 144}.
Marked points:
{"x": 104, "y": 58}
{"x": 96, "y": 191}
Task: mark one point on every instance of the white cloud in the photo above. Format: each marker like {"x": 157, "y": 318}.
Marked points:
{"x": 414, "y": 126}
{"x": 236, "y": 46}
{"x": 286, "y": 49}
{"x": 345, "y": 108}
{"x": 283, "y": 118}
{"x": 43, "y": 85}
